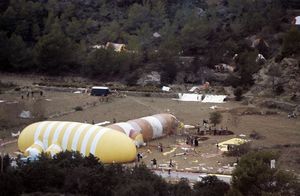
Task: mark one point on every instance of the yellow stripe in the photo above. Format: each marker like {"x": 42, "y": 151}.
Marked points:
{"x": 71, "y": 137}
{"x": 90, "y": 141}
{"x": 61, "y": 134}
{"x": 51, "y": 135}
{"x": 43, "y": 130}
{"x": 81, "y": 137}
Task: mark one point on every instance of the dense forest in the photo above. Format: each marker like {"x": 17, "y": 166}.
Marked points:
{"x": 69, "y": 173}
{"x": 55, "y": 37}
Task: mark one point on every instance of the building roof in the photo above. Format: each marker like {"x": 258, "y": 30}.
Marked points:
{"x": 100, "y": 87}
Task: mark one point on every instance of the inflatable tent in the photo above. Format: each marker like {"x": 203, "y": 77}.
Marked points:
{"x": 52, "y": 137}
{"x": 147, "y": 128}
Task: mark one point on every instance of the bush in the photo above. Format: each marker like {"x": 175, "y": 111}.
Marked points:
{"x": 212, "y": 186}
{"x": 253, "y": 176}
{"x": 238, "y": 92}
{"x": 279, "y": 89}
{"x": 78, "y": 108}
{"x": 239, "y": 150}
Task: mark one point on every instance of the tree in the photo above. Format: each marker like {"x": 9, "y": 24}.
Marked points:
{"x": 215, "y": 118}
{"x": 238, "y": 92}
{"x": 275, "y": 72}
{"x": 55, "y": 53}
{"x": 291, "y": 42}
{"x": 212, "y": 186}
{"x": 181, "y": 188}
{"x": 253, "y": 176}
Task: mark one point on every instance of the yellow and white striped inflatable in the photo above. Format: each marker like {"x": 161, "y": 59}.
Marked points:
{"x": 108, "y": 145}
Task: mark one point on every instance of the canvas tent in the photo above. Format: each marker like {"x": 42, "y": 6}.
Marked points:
{"x": 147, "y": 128}
{"x": 224, "y": 146}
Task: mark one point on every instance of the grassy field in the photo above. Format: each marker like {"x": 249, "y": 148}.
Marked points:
{"x": 279, "y": 132}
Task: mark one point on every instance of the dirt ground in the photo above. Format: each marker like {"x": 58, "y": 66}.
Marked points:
{"x": 279, "y": 132}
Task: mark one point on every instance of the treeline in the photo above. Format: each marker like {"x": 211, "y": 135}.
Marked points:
{"x": 71, "y": 174}
{"x": 56, "y": 37}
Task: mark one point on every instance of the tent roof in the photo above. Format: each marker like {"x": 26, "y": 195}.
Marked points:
{"x": 233, "y": 141}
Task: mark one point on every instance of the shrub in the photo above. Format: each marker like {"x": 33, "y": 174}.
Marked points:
{"x": 238, "y": 92}
{"x": 78, "y": 108}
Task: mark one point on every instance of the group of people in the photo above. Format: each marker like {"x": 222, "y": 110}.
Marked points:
{"x": 193, "y": 141}
{"x": 41, "y": 93}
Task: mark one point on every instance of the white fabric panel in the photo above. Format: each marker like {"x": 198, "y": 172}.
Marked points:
{"x": 38, "y": 130}
{"x": 135, "y": 126}
{"x": 156, "y": 126}
{"x": 189, "y": 97}
{"x": 39, "y": 143}
{"x": 86, "y": 138}
{"x": 214, "y": 99}
{"x": 66, "y": 136}
{"x": 77, "y": 135}
{"x": 57, "y": 132}
{"x": 47, "y": 132}
{"x": 96, "y": 140}
{"x": 297, "y": 20}
{"x": 125, "y": 126}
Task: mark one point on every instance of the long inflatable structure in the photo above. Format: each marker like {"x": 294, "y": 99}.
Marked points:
{"x": 147, "y": 128}
{"x": 52, "y": 137}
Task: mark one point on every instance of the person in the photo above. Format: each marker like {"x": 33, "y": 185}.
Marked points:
{"x": 114, "y": 120}
{"x": 41, "y": 93}
{"x": 169, "y": 171}
{"x": 160, "y": 147}
{"x": 154, "y": 163}
{"x": 139, "y": 156}
{"x": 22, "y": 97}
{"x": 171, "y": 163}
{"x": 93, "y": 122}
{"x": 32, "y": 94}
{"x": 196, "y": 142}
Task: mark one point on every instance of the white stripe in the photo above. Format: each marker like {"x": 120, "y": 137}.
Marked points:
{"x": 96, "y": 140}
{"x": 39, "y": 143}
{"x": 54, "y": 147}
{"x": 57, "y": 131}
{"x": 47, "y": 132}
{"x": 156, "y": 126}
{"x": 39, "y": 129}
{"x": 77, "y": 135}
{"x": 135, "y": 126}
{"x": 87, "y": 137}
{"x": 126, "y": 127}
{"x": 67, "y": 133}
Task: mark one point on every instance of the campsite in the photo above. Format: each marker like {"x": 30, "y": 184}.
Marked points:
{"x": 276, "y": 130}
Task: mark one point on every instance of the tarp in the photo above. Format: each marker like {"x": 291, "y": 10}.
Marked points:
{"x": 199, "y": 97}
{"x": 297, "y": 20}
{"x": 233, "y": 141}
{"x": 194, "y": 88}
{"x": 189, "y": 97}
{"x": 214, "y": 98}
{"x": 165, "y": 88}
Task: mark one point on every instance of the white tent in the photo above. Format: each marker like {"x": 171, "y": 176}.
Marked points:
{"x": 189, "y": 97}
{"x": 201, "y": 98}
{"x": 214, "y": 99}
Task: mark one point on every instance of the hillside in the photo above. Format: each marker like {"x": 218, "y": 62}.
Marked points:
{"x": 61, "y": 38}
